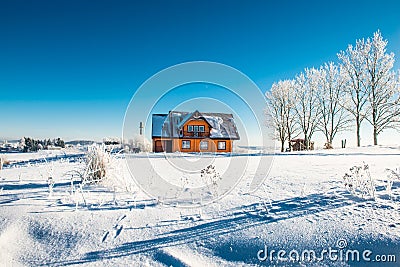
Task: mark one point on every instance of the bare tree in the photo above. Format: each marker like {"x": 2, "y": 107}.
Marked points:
{"x": 382, "y": 85}
{"x": 334, "y": 117}
{"x": 292, "y": 127}
{"x": 363, "y": 87}
{"x": 275, "y": 112}
{"x": 352, "y": 64}
{"x": 307, "y": 109}
{"x": 280, "y": 112}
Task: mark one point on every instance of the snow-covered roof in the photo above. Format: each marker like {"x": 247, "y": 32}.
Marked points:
{"x": 169, "y": 125}
{"x": 158, "y": 121}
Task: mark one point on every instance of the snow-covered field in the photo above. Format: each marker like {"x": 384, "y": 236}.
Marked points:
{"x": 303, "y": 205}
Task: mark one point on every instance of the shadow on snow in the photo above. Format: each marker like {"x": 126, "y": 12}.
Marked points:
{"x": 238, "y": 219}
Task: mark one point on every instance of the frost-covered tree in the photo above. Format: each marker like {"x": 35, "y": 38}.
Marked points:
{"x": 292, "y": 127}
{"x": 334, "y": 118}
{"x": 59, "y": 142}
{"x": 142, "y": 143}
{"x": 352, "y": 64}
{"x": 382, "y": 84}
{"x": 280, "y": 111}
{"x": 306, "y": 106}
{"x": 275, "y": 112}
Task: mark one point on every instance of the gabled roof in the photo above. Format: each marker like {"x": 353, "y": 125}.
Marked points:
{"x": 194, "y": 115}
{"x": 168, "y": 125}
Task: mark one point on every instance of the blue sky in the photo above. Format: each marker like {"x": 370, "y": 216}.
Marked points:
{"x": 70, "y": 68}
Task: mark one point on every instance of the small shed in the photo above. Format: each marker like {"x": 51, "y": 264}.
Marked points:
{"x": 299, "y": 144}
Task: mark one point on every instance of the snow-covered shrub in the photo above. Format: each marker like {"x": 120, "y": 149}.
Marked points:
{"x": 49, "y": 166}
{"x": 211, "y": 178}
{"x": 391, "y": 176}
{"x": 184, "y": 182}
{"x": 118, "y": 177}
{"x": 50, "y": 183}
{"x": 98, "y": 161}
{"x": 107, "y": 168}
{"x": 100, "y": 167}
{"x": 359, "y": 182}
{"x": 3, "y": 161}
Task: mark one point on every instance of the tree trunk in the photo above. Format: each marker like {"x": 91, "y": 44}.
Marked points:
{"x": 289, "y": 134}
{"x": 358, "y": 131}
{"x": 374, "y": 125}
{"x": 282, "y": 145}
{"x": 331, "y": 138}
{"x": 309, "y": 143}
{"x": 306, "y": 141}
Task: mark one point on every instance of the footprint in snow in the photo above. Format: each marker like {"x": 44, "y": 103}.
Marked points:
{"x": 105, "y": 236}
{"x": 119, "y": 220}
{"x": 118, "y": 231}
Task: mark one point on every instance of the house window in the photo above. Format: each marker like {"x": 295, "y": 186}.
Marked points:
{"x": 185, "y": 144}
{"x": 203, "y": 145}
{"x": 195, "y": 128}
{"x": 221, "y": 145}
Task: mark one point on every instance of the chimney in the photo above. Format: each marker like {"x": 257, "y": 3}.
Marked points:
{"x": 141, "y": 128}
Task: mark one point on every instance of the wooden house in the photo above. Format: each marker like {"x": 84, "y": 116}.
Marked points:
{"x": 193, "y": 132}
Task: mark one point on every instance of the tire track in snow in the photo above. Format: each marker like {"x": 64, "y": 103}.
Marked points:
{"x": 246, "y": 217}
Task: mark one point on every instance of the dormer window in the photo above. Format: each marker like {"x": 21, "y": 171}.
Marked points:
{"x": 196, "y": 128}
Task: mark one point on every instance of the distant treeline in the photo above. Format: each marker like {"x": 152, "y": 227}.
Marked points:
{"x": 32, "y": 145}
{"x": 80, "y": 142}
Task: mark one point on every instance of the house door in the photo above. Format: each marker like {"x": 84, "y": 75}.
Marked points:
{"x": 163, "y": 145}
{"x": 159, "y": 147}
{"x": 168, "y": 146}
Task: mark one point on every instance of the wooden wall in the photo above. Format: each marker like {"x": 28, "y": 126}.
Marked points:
{"x": 176, "y": 145}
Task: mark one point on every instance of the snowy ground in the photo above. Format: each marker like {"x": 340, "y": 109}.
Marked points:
{"x": 303, "y": 205}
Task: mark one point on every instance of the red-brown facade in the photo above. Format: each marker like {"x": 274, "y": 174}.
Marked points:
{"x": 193, "y": 132}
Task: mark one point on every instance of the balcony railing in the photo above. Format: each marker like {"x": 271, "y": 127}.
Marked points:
{"x": 194, "y": 134}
